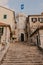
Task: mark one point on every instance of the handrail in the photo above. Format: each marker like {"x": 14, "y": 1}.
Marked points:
{"x": 36, "y": 30}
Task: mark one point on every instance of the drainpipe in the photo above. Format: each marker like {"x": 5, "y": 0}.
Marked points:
{"x": 5, "y": 33}
{"x": 0, "y": 39}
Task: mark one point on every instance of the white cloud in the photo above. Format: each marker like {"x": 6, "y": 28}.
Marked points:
{"x": 4, "y": 3}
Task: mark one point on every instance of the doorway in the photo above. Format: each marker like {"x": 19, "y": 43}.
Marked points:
{"x": 22, "y": 37}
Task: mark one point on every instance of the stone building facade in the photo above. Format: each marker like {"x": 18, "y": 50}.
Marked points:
{"x": 7, "y": 17}
{"x": 21, "y": 27}
{"x": 17, "y": 24}
{"x": 36, "y": 25}
{"x": 35, "y": 21}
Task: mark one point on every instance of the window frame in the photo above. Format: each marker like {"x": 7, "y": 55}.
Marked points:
{"x": 34, "y": 20}
{"x": 40, "y": 20}
{"x": 5, "y": 16}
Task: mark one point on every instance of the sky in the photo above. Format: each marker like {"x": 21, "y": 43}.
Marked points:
{"x": 30, "y": 6}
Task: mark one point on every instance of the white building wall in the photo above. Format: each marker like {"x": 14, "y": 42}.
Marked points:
{"x": 22, "y": 22}
{"x": 21, "y": 26}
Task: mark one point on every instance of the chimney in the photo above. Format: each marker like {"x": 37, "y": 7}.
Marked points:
{"x": 42, "y": 13}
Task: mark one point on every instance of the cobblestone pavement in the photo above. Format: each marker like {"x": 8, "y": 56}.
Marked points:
{"x": 20, "y": 54}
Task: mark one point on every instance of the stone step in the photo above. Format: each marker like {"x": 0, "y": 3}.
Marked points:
{"x": 22, "y": 64}
{"x": 23, "y": 55}
{"x": 29, "y": 60}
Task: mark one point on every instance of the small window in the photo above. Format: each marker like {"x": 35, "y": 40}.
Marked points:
{"x": 5, "y": 16}
{"x": 34, "y": 20}
{"x": 40, "y": 20}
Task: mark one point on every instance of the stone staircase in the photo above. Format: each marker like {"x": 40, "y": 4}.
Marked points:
{"x": 20, "y": 54}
